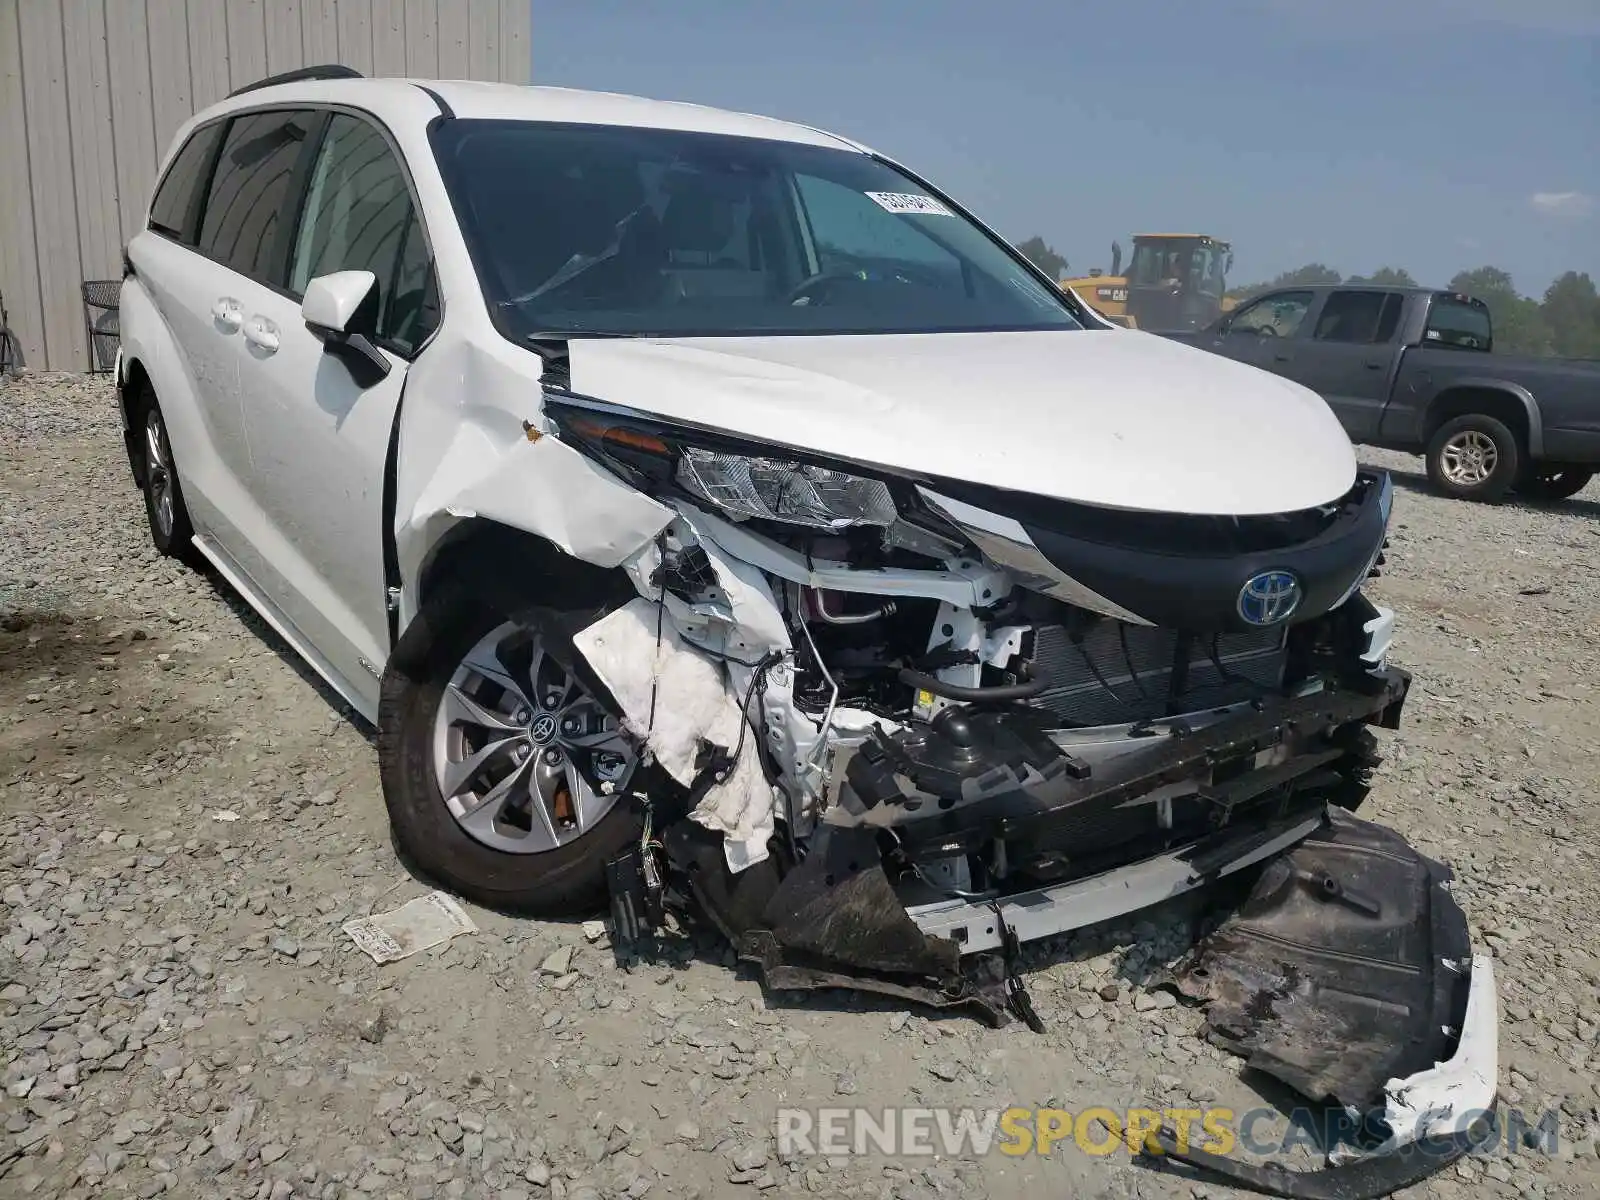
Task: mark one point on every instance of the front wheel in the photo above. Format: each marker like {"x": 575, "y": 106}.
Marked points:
{"x": 504, "y": 762}
{"x": 1555, "y": 485}
{"x": 1474, "y": 457}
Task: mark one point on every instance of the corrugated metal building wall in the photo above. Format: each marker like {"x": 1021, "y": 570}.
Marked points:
{"x": 91, "y": 92}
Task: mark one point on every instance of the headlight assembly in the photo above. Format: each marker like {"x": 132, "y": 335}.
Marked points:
{"x": 794, "y": 493}
{"x": 740, "y": 485}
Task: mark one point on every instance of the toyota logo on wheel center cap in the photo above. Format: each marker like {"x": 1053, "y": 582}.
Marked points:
{"x": 543, "y": 729}
{"x": 1269, "y": 597}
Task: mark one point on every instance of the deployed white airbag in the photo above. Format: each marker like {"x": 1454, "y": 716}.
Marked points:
{"x": 674, "y": 698}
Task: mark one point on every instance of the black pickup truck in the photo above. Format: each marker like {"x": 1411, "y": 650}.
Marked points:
{"x": 1411, "y": 369}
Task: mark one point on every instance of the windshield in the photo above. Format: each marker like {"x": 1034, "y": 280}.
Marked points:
{"x": 1157, "y": 263}
{"x": 603, "y": 229}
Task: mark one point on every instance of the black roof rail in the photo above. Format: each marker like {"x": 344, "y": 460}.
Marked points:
{"x": 326, "y": 71}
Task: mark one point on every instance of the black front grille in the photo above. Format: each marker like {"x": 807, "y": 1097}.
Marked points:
{"x": 1114, "y": 672}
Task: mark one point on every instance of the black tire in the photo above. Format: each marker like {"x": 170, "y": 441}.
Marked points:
{"x": 172, "y": 537}
{"x": 1554, "y": 485}
{"x": 1483, "y": 429}
{"x": 568, "y": 880}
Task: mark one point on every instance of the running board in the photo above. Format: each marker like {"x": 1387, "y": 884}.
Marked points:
{"x": 281, "y": 625}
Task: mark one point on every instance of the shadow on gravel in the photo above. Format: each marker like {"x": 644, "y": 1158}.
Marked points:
{"x": 1578, "y": 506}
{"x": 33, "y": 640}
{"x": 71, "y": 730}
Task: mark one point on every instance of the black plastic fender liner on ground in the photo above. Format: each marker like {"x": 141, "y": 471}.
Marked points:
{"x": 1348, "y": 966}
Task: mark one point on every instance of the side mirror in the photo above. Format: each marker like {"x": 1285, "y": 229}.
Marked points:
{"x": 342, "y": 304}
{"x": 341, "y": 310}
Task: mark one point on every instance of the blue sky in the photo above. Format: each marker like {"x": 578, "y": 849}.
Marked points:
{"x": 1429, "y": 134}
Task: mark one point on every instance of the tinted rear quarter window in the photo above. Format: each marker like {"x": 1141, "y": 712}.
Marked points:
{"x": 175, "y": 207}
{"x": 246, "y": 205}
{"x": 1458, "y": 324}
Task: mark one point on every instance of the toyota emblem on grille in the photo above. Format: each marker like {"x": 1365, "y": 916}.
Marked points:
{"x": 1269, "y": 597}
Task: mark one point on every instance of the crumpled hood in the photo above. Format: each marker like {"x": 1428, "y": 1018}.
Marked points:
{"x": 1114, "y": 418}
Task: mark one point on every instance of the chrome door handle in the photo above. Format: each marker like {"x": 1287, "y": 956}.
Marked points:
{"x": 262, "y": 333}
{"x": 227, "y": 314}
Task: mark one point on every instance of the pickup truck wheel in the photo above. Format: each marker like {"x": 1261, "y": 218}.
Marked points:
{"x": 1554, "y": 485}
{"x": 1474, "y": 457}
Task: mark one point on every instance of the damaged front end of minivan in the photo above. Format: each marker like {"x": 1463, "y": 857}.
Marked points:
{"x": 912, "y": 723}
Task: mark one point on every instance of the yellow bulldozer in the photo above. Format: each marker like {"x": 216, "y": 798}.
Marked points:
{"x": 1174, "y": 281}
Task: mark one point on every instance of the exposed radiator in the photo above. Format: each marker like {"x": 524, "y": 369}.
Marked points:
{"x": 1125, "y": 672}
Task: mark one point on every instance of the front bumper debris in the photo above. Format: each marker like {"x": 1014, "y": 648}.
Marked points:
{"x": 1348, "y": 975}
{"x": 1253, "y": 815}
{"x": 836, "y": 918}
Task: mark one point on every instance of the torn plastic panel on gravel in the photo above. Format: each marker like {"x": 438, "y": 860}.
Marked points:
{"x": 1348, "y": 975}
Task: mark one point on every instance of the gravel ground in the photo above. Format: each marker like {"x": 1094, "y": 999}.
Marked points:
{"x": 189, "y": 819}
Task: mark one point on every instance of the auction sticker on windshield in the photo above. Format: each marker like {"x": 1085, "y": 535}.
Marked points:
{"x": 902, "y": 202}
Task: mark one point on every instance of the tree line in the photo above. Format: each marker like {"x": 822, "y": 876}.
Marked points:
{"x": 1565, "y": 322}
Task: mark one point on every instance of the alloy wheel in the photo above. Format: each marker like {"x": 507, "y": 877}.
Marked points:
{"x": 1469, "y": 458}
{"x": 526, "y": 758}
{"x": 158, "y": 471}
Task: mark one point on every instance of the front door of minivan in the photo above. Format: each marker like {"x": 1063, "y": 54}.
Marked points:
{"x": 237, "y": 253}
{"x": 318, "y": 437}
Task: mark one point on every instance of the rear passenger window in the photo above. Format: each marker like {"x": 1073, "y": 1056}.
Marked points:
{"x": 1358, "y": 317}
{"x": 358, "y": 216}
{"x": 176, "y": 204}
{"x": 245, "y": 205}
